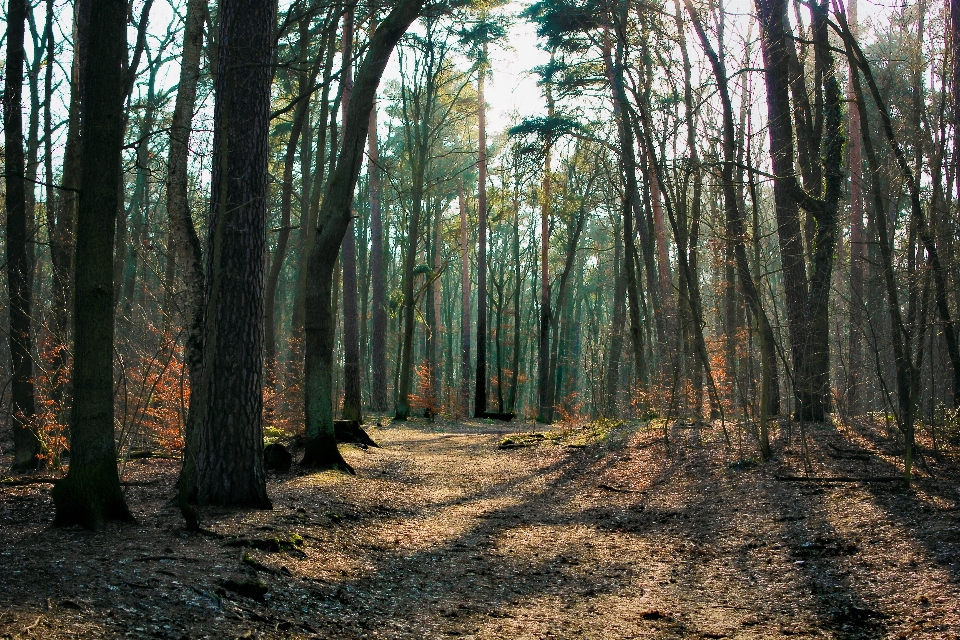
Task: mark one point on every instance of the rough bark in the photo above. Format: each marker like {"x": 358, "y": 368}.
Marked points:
{"x": 229, "y": 446}
{"x": 90, "y": 493}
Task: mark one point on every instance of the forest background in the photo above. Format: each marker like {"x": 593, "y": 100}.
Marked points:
{"x": 716, "y": 212}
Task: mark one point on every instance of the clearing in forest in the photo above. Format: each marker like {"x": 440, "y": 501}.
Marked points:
{"x": 455, "y": 530}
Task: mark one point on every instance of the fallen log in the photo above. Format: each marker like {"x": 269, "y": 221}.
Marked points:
{"x": 350, "y": 432}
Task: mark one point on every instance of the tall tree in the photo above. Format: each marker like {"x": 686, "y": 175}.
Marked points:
{"x": 351, "y": 326}
{"x": 321, "y": 447}
{"x": 90, "y": 493}
{"x": 378, "y": 335}
{"x": 229, "y": 435}
{"x": 183, "y": 233}
{"x": 27, "y": 443}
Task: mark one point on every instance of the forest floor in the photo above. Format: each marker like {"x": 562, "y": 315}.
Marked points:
{"x": 594, "y": 532}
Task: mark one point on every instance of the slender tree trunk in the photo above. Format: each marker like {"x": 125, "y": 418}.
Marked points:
{"x": 62, "y": 242}
{"x": 517, "y": 282}
{"x": 855, "y": 374}
{"x": 770, "y": 392}
{"x": 308, "y": 223}
{"x": 480, "y": 390}
{"x": 409, "y": 299}
{"x": 352, "y": 402}
{"x": 628, "y": 162}
{"x": 301, "y": 116}
{"x": 183, "y": 233}
{"x": 618, "y": 321}
{"x": 465, "y": 317}
{"x": 544, "y": 384}
{"x": 26, "y": 440}
{"x": 90, "y": 493}
{"x": 378, "y": 336}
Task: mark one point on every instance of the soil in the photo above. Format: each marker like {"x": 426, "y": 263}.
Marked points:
{"x": 596, "y": 532}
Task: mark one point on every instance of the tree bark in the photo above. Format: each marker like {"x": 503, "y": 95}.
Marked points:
{"x": 855, "y": 374}
{"x": 90, "y": 493}
{"x": 183, "y": 233}
{"x": 229, "y": 447}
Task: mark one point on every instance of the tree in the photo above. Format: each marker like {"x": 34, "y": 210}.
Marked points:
{"x": 227, "y": 450}
{"x": 90, "y": 493}
{"x": 321, "y": 447}
{"x": 27, "y": 444}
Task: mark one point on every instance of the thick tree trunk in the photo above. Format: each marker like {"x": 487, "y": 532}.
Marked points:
{"x": 796, "y": 288}
{"x": 26, "y": 440}
{"x": 321, "y": 447}
{"x": 90, "y": 493}
{"x": 229, "y": 448}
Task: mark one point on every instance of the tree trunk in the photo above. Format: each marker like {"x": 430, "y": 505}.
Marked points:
{"x": 301, "y": 117}
{"x": 229, "y": 448}
{"x": 480, "y": 390}
{"x": 26, "y": 440}
{"x": 465, "y": 316}
{"x": 352, "y": 403}
{"x": 776, "y": 64}
{"x": 770, "y": 392}
{"x": 321, "y": 447}
{"x": 378, "y": 336}
{"x": 90, "y": 493}
{"x": 62, "y": 242}
{"x": 544, "y": 384}
{"x": 183, "y": 234}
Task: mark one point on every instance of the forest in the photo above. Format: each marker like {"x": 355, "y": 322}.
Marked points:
{"x": 479, "y": 318}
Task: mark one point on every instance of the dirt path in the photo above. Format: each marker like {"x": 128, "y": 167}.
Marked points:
{"x": 441, "y": 534}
